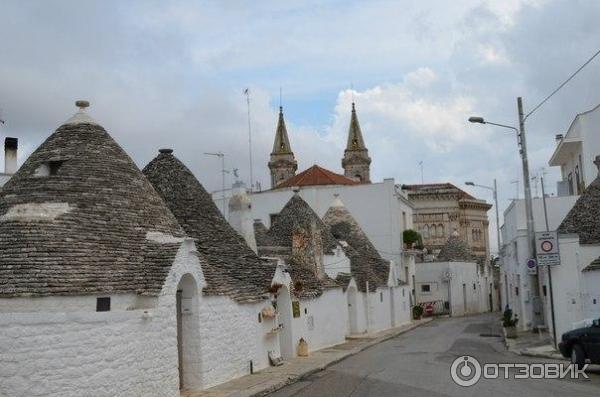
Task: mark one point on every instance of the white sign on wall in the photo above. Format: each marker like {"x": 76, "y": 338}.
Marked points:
{"x": 547, "y": 248}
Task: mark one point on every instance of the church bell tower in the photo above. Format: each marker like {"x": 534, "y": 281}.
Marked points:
{"x": 283, "y": 165}
{"x": 356, "y": 161}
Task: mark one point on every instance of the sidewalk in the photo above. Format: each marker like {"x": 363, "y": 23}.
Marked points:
{"x": 274, "y": 378}
{"x": 534, "y": 345}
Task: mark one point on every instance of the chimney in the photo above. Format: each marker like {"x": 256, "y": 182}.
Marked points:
{"x": 558, "y": 138}
{"x": 10, "y": 155}
{"x": 240, "y": 216}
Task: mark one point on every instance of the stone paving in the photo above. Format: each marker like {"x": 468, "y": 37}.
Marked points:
{"x": 531, "y": 344}
{"x": 274, "y": 378}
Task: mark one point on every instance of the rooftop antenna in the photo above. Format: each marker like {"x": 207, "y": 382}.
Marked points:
{"x": 516, "y": 182}
{"x": 223, "y": 172}
{"x": 421, "y": 166}
{"x": 352, "y": 90}
{"x": 535, "y": 181}
{"x": 247, "y": 93}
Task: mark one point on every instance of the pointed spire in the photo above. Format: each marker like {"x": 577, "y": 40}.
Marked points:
{"x": 355, "y": 138}
{"x": 282, "y": 142}
{"x": 356, "y": 161}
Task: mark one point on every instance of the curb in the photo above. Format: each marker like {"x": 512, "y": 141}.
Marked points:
{"x": 350, "y": 353}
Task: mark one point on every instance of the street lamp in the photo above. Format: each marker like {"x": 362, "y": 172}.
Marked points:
{"x": 522, "y": 143}
{"x": 525, "y": 164}
{"x": 495, "y": 192}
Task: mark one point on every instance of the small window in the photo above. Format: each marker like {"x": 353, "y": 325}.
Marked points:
{"x": 425, "y": 288}
{"x": 381, "y": 297}
{"x": 49, "y": 168}
{"x": 403, "y": 292}
{"x": 517, "y": 291}
{"x": 594, "y": 301}
{"x": 544, "y": 290}
{"x": 103, "y": 304}
{"x": 474, "y": 286}
{"x": 273, "y": 218}
{"x": 259, "y": 317}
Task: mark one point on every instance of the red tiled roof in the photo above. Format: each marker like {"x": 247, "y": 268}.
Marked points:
{"x": 316, "y": 175}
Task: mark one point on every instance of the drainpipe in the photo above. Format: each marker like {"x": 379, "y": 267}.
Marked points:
{"x": 368, "y": 307}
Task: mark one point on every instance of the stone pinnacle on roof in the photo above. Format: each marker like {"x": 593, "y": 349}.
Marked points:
{"x": 81, "y": 116}
{"x": 282, "y": 142}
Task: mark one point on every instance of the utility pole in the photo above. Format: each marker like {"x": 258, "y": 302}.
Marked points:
{"x": 549, "y": 268}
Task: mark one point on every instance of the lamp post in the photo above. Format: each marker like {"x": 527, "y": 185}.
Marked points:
{"x": 495, "y": 191}
{"x": 522, "y": 143}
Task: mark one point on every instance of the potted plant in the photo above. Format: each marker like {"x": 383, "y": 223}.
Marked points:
{"x": 410, "y": 237}
{"x": 417, "y": 312}
{"x": 509, "y": 323}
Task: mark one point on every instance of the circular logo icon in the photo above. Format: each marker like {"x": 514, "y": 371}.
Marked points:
{"x": 547, "y": 246}
{"x": 531, "y": 264}
{"x": 465, "y": 371}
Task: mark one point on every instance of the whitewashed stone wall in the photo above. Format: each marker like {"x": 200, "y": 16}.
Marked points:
{"x": 322, "y": 321}
{"x": 80, "y": 352}
{"x": 231, "y": 336}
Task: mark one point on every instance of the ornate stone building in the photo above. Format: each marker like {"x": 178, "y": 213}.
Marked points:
{"x": 356, "y": 161}
{"x": 283, "y": 164}
{"x": 441, "y": 208}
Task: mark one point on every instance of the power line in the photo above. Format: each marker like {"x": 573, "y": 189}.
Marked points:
{"x": 562, "y": 85}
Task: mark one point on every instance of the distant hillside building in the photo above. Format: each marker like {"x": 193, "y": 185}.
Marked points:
{"x": 441, "y": 208}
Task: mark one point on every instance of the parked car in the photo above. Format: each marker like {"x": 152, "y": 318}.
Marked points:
{"x": 582, "y": 344}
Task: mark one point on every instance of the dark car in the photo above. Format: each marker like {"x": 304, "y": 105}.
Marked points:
{"x": 582, "y": 344}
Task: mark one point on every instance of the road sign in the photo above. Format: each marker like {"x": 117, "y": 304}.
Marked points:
{"x": 547, "y": 248}
{"x": 532, "y": 266}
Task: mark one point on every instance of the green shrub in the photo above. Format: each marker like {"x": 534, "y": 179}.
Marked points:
{"x": 410, "y": 236}
{"x": 417, "y": 312}
{"x": 507, "y": 318}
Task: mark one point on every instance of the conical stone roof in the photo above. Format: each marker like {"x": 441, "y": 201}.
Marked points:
{"x": 297, "y": 214}
{"x": 366, "y": 264}
{"x": 80, "y": 218}
{"x": 231, "y": 267}
{"x": 455, "y": 250}
{"x": 584, "y": 217}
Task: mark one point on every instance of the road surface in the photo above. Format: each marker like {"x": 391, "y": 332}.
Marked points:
{"x": 418, "y": 363}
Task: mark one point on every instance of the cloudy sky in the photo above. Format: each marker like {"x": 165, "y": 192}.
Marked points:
{"x": 172, "y": 74}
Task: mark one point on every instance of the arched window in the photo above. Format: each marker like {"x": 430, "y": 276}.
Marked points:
{"x": 440, "y": 230}
{"x": 426, "y": 231}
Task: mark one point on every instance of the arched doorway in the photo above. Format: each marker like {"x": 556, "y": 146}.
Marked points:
{"x": 284, "y": 320}
{"x": 352, "y": 310}
{"x": 188, "y": 333}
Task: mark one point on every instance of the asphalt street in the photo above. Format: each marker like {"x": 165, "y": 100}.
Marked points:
{"x": 418, "y": 363}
